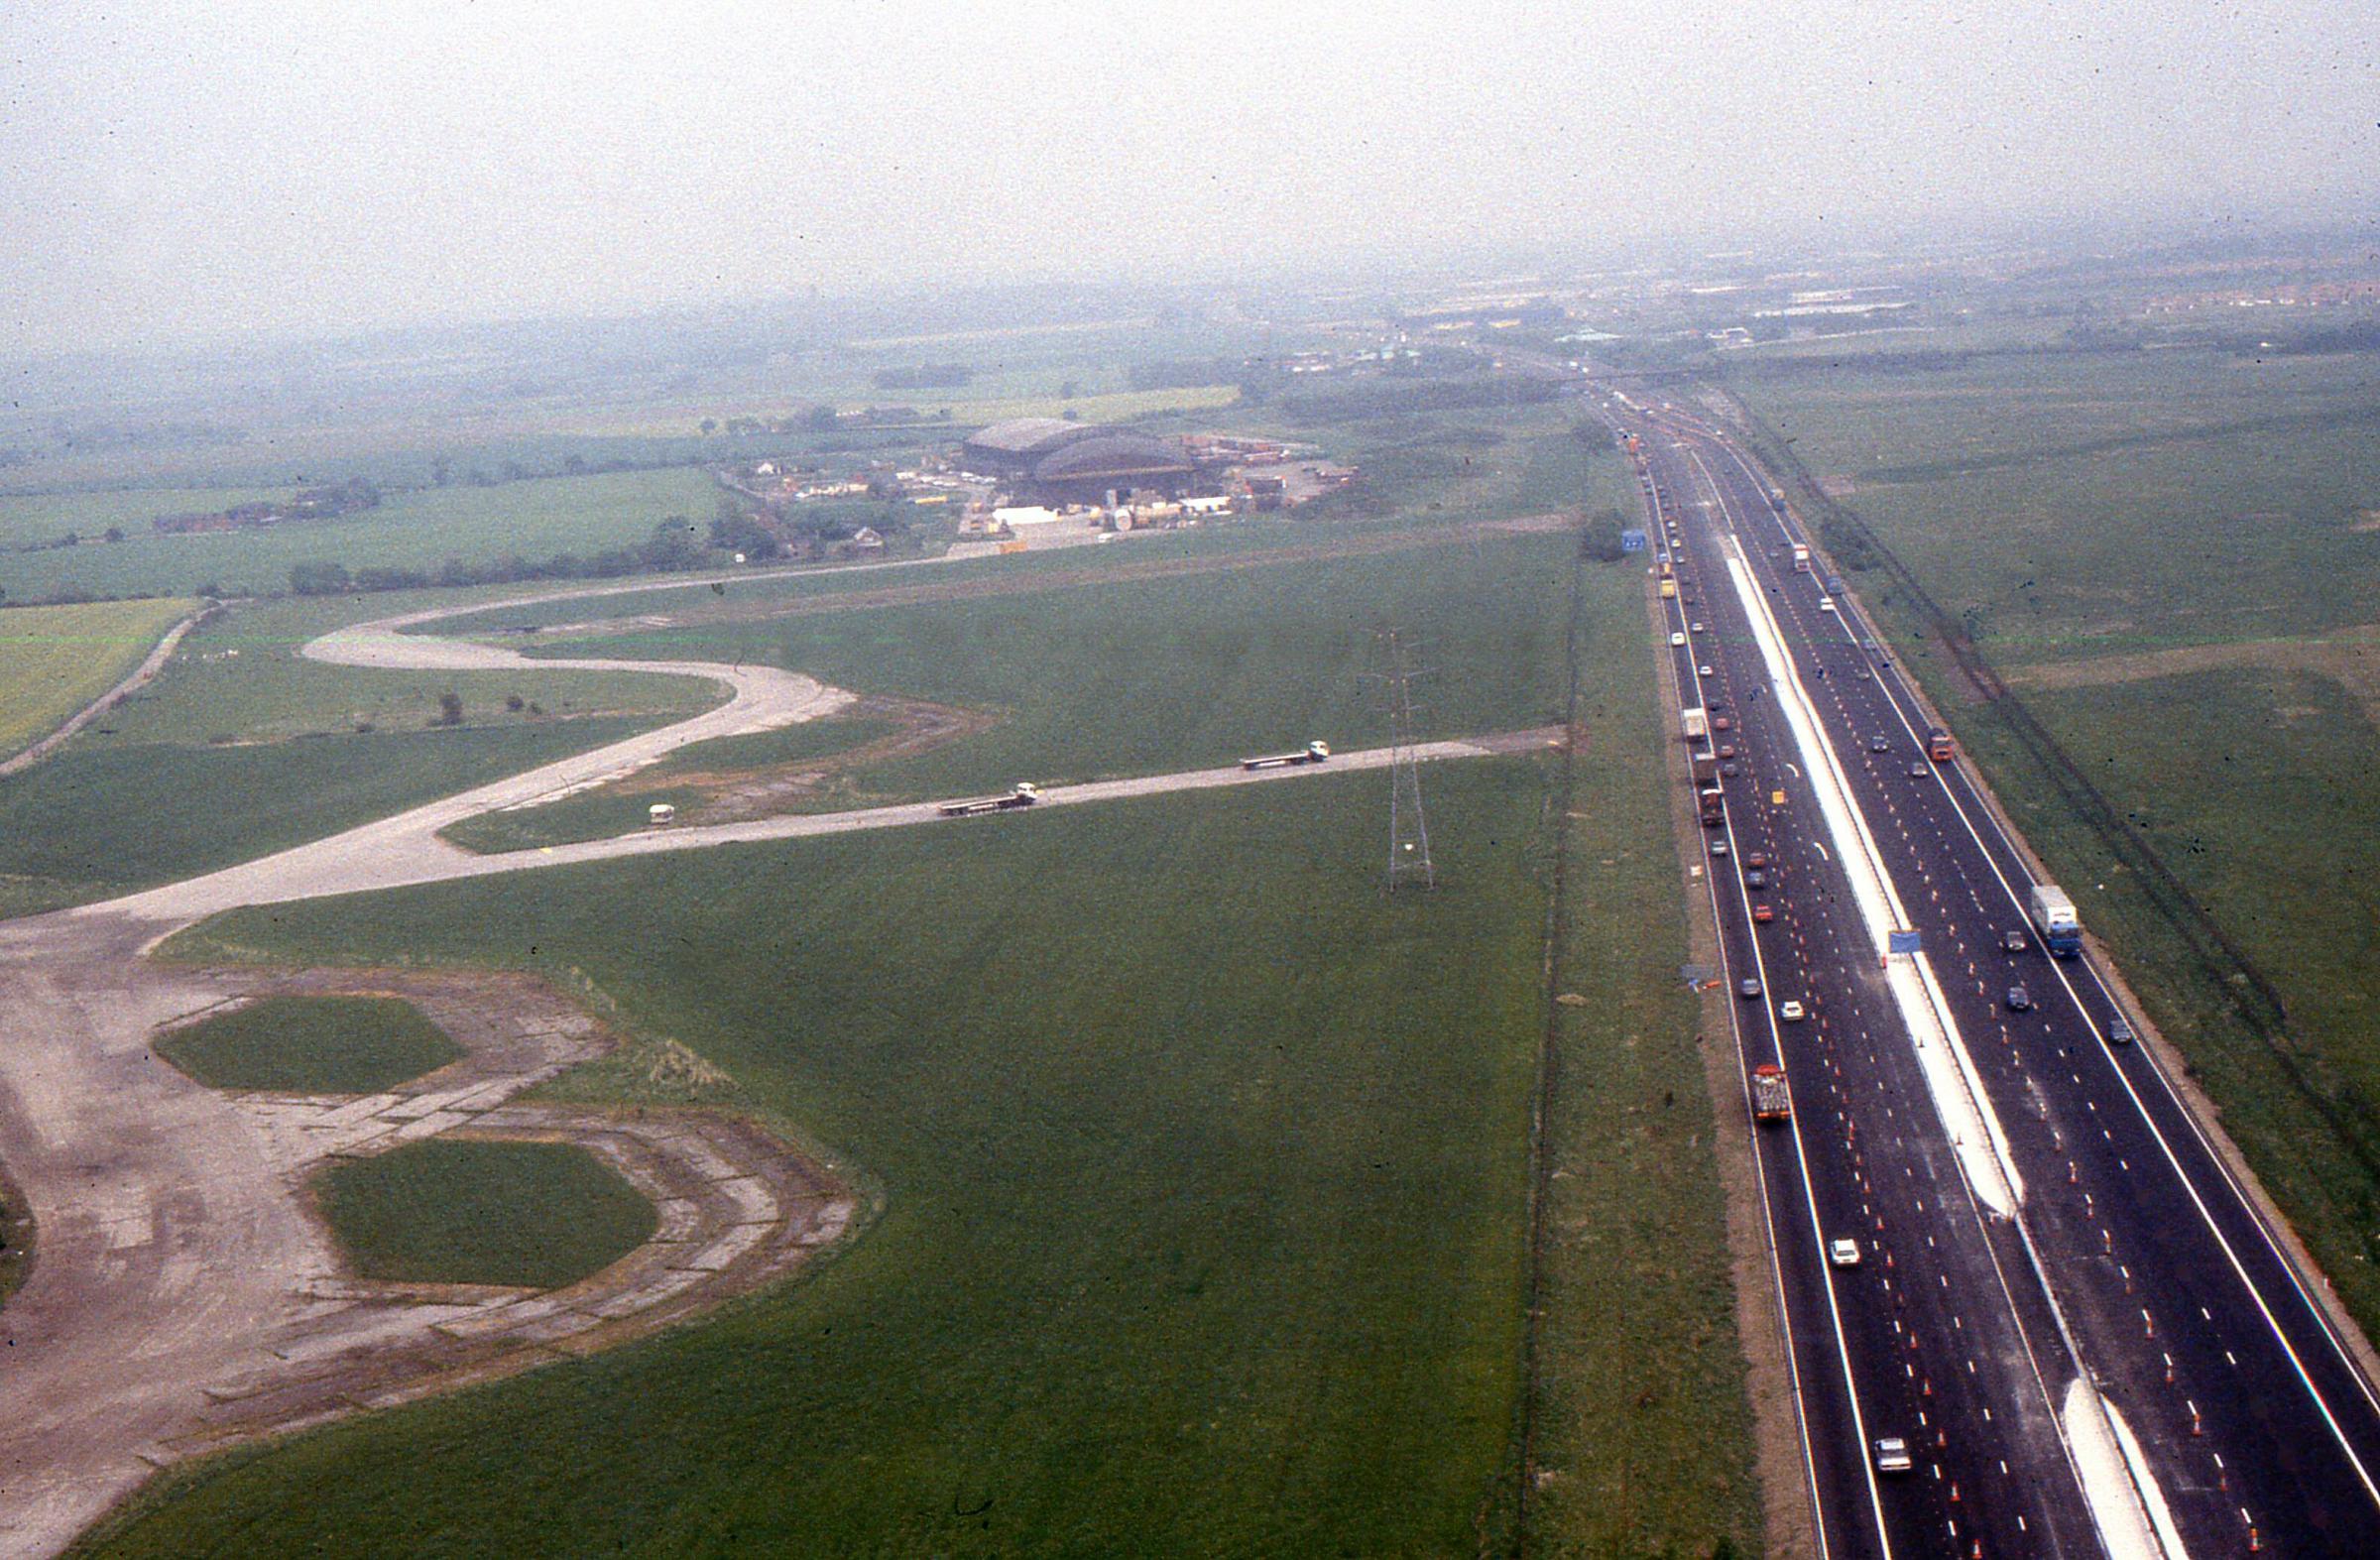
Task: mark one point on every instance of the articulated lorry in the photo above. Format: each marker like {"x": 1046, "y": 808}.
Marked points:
{"x": 1771, "y": 1101}
{"x": 1311, "y": 753}
{"x": 2054, "y": 918}
{"x": 1713, "y": 803}
{"x": 1025, "y": 795}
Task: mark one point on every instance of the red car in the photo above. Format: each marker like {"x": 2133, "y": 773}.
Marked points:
{"x": 1756, "y": 858}
{"x": 1722, "y": 723}
{"x": 1764, "y": 915}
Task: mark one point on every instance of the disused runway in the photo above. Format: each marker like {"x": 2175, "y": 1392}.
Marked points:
{"x": 181, "y": 1295}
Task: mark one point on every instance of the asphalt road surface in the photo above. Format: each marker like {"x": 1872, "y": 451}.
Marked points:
{"x": 2135, "y": 1261}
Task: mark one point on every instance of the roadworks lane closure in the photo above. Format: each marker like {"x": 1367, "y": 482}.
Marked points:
{"x": 1966, "y": 1112}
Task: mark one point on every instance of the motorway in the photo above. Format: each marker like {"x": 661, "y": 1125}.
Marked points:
{"x": 2045, "y": 1217}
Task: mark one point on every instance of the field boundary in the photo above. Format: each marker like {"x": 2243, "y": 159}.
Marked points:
{"x": 1549, "y": 1061}
{"x": 139, "y": 678}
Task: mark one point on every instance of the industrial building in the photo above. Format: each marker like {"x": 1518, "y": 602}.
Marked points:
{"x": 1047, "y": 460}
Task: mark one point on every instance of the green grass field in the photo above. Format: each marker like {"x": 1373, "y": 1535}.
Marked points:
{"x": 54, "y": 660}
{"x": 469, "y": 1211}
{"x": 94, "y": 822}
{"x": 2067, "y": 504}
{"x": 1642, "y": 1418}
{"x": 416, "y": 530}
{"x": 2101, "y": 525}
{"x": 611, "y": 809}
{"x": 32, "y": 519}
{"x": 1150, "y": 675}
{"x": 240, "y": 679}
{"x": 1169, "y": 1263}
{"x": 311, "y": 1045}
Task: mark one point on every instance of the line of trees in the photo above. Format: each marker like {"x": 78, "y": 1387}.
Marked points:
{"x": 673, "y": 547}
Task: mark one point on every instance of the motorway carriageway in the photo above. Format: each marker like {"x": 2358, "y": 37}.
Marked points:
{"x": 2153, "y": 1268}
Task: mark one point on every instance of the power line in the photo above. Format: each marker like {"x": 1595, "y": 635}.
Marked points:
{"x": 1408, "y": 827}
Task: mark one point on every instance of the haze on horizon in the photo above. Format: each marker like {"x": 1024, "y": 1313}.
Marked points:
{"x": 218, "y": 168}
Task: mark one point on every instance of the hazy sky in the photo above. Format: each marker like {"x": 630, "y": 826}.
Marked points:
{"x": 171, "y": 168}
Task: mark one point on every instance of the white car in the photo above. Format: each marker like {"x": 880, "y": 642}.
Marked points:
{"x": 1790, "y": 1011}
{"x": 1677, "y": 639}
{"x": 1892, "y": 1455}
{"x": 1825, "y": 603}
{"x": 1844, "y": 1252}
{"x": 1697, "y": 628}
{"x": 1706, "y": 671}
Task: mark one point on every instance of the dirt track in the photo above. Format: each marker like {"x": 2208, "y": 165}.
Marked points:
{"x": 177, "y": 1277}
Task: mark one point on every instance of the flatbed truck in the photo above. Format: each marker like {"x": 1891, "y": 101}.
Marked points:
{"x": 1025, "y": 795}
{"x": 1311, "y": 753}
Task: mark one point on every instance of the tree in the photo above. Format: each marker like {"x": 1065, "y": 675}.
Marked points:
{"x": 113, "y": 534}
{"x": 450, "y": 708}
{"x": 673, "y": 547}
{"x": 821, "y": 418}
{"x": 318, "y": 580}
{"x": 709, "y": 426}
{"x": 734, "y": 530}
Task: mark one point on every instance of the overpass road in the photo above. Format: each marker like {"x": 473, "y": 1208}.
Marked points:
{"x": 2122, "y": 1264}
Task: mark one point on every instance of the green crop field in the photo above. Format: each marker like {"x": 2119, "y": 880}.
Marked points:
{"x": 474, "y": 1210}
{"x": 2172, "y": 559}
{"x": 54, "y": 660}
{"x": 416, "y": 530}
{"x": 311, "y": 1045}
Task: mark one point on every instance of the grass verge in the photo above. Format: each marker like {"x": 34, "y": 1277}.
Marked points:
{"x": 1643, "y": 1430}
{"x": 483, "y": 1211}
{"x": 311, "y": 1045}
